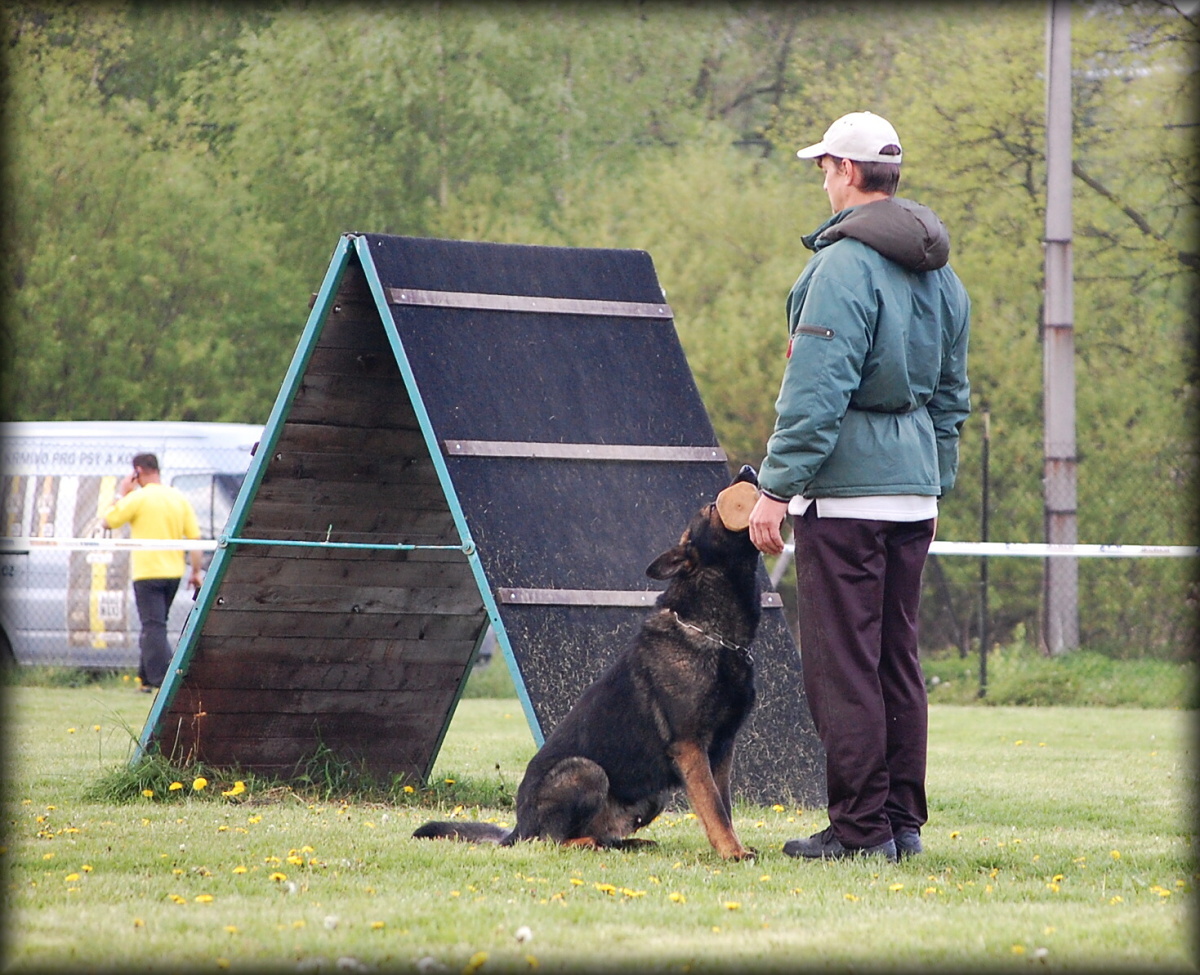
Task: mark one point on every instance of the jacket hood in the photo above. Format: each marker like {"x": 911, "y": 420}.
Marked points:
{"x": 901, "y": 230}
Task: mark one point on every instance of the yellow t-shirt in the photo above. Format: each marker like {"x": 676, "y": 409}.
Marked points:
{"x": 155, "y": 511}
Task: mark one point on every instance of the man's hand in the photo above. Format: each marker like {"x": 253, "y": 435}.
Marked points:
{"x": 765, "y": 519}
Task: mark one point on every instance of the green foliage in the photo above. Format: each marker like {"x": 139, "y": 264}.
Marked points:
{"x": 177, "y": 175}
{"x": 491, "y": 680}
{"x": 1021, "y": 675}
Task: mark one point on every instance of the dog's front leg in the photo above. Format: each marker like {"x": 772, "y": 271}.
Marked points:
{"x": 722, "y": 775}
{"x": 692, "y": 762}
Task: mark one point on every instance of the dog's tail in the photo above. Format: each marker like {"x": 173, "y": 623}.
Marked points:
{"x": 468, "y": 831}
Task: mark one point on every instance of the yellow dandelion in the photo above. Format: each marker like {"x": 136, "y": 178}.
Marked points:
{"x": 931, "y": 890}
{"x": 223, "y": 963}
{"x": 449, "y": 781}
{"x": 204, "y": 898}
{"x": 1053, "y": 887}
{"x": 851, "y": 897}
{"x": 1116, "y": 900}
{"x": 531, "y": 960}
{"x": 95, "y": 727}
{"x": 238, "y": 788}
{"x": 732, "y": 905}
{"x": 176, "y": 899}
{"x": 231, "y": 929}
{"x": 148, "y": 793}
{"x": 1018, "y": 949}
{"x": 71, "y": 878}
{"x": 378, "y": 925}
{"x": 676, "y": 897}
{"x": 198, "y": 783}
{"x": 576, "y": 881}
{"x": 895, "y": 887}
{"x": 86, "y": 868}
{"x": 475, "y": 963}
{"x": 1115, "y": 854}
{"x": 278, "y": 877}
{"x": 239, "y": 869}
{"x": 252, "y": 820}
{"x": 605, "y": 888}
{"x": 70, "y": 731}
{"x": 138, "y": 922}
{"x": 955, "y": 834}
{"x": 296, "y": 861}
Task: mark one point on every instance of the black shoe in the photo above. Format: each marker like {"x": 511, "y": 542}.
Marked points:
{"x": 825, "y": 846}
{"x": 908, "y": 843}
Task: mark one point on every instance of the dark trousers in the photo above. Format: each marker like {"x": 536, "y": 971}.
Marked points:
{"x": 154, "y": 598}
{"x": 859, "y": 588}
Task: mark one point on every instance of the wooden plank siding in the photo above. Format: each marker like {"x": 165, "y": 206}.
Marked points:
{"x": 362, "y": 651}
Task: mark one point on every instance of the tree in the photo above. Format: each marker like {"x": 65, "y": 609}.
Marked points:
{"x": 121, "y": 301}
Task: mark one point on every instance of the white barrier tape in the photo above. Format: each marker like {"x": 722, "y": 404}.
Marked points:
{"x": 20, "y": 546}
{"x": 16, "y": 546}
{"x": 1040, "y": 550}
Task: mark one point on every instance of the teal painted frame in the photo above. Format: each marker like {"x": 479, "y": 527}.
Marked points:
{"x": 216, "y": 569}
{"x": 439, "y": 463}
{"x": 348, "y": 245}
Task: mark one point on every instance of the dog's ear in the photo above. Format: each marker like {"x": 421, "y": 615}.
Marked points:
{"x": 672, "y": 562}
{"x": 735, "y": 503}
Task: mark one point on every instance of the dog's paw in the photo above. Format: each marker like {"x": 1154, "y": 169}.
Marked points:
{"x": 747, "y": 853}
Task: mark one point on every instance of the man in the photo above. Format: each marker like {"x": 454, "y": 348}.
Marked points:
{"x": 873, "y": 397}
{"x": 154, "y": 510}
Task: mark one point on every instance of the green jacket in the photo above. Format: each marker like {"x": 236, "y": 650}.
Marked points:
{"x": 875, "y": 390}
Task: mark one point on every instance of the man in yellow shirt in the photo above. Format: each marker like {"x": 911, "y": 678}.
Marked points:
{"x": 154, "y": 510}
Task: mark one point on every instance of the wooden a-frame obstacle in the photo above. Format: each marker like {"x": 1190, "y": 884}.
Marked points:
{"x": 468, "y": 434}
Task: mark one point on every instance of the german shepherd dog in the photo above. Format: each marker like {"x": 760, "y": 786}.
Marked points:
{"x": 664, "y": 714}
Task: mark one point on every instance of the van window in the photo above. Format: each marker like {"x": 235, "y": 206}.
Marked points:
{"x": 212, "y": 496}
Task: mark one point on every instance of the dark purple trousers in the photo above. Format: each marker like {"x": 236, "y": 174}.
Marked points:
{"x": 859, "y": 589}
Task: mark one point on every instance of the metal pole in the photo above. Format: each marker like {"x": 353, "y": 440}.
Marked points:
{"x": 1061, "y": 575}
{"x": 984, "y": 529}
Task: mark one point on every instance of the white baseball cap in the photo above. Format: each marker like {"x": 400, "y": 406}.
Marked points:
{"x": 861, "y": 136}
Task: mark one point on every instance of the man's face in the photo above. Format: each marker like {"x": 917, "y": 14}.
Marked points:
{"x": 839, "y": 179}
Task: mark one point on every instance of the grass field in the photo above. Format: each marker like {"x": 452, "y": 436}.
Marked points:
{"x": 1058, "y": 837}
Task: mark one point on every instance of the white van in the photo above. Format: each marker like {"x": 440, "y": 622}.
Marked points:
{"x": 75, "y": 608}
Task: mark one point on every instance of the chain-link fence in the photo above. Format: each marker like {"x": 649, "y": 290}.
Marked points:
{"x": 70, "y": 607}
